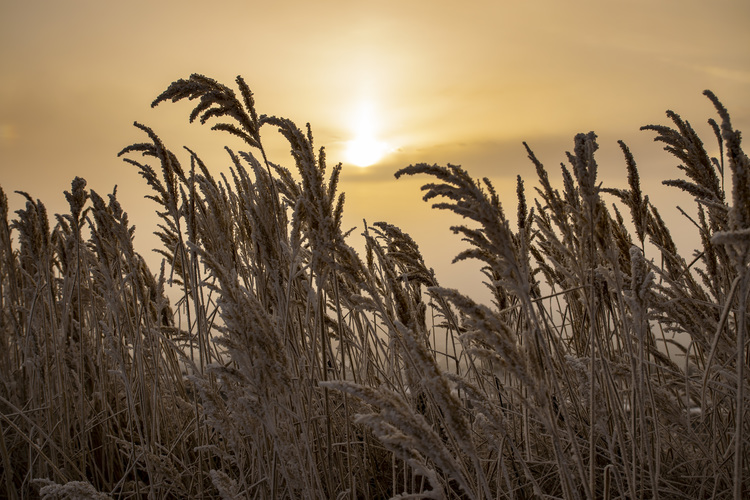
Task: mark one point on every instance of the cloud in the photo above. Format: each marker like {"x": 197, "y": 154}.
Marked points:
{"x": 732, "y": 74}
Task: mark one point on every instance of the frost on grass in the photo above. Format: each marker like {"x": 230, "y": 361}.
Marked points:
{"x": 285, "y": 365}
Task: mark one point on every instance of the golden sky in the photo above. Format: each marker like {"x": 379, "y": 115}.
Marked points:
{"x": 435, "y": 81}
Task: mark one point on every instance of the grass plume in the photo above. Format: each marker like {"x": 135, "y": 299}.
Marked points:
{"x": 292, "y": 367}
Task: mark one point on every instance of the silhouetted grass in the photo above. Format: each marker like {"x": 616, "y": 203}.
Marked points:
{"x": 291, "y": 367}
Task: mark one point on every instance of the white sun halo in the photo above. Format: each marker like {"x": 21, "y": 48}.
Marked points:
{"x": 365, "y": 149}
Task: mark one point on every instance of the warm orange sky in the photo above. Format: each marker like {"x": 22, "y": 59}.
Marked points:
{"x": 459, "y": 82}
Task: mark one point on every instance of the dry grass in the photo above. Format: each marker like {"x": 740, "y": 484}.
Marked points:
{"x": 292, "y": 368}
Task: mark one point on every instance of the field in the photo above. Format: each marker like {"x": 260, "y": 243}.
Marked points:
{"x": 293, "y": 367}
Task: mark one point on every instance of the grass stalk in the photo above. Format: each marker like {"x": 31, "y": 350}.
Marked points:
{"x": 291, "y": 367}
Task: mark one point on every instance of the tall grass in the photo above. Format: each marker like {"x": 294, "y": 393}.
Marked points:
{"x": 291, "y": 367}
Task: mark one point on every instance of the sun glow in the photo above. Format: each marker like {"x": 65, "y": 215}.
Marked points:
{"x": 365, "y": 149}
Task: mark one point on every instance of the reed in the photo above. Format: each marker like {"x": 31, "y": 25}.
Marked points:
{"x": 292, "y": 367}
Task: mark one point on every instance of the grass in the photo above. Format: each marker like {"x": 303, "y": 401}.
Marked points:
{"x": 291, "y": 367}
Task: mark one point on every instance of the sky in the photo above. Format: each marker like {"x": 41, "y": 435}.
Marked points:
{"x": 437, "y": 82}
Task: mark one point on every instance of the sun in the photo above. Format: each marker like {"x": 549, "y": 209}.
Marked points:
{"x": 365, "y": 151}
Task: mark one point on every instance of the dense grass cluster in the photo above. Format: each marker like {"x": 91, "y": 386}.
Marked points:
{"x": 291, "y": 367}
